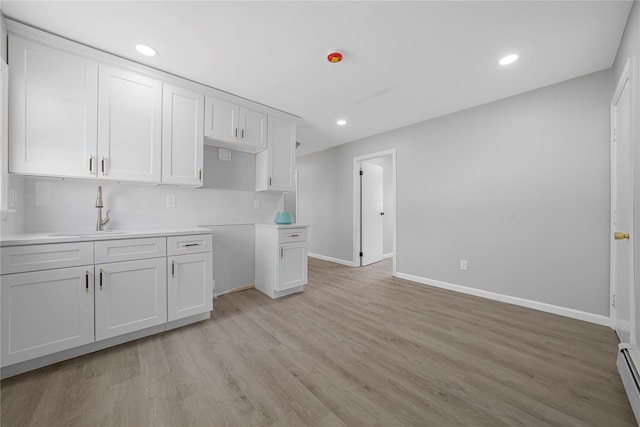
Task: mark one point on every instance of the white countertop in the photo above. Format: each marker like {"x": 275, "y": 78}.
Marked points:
{"x": 71, "y": 236}
{"x": 283, "y": 226}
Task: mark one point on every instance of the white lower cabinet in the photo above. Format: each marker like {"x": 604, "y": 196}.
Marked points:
{"x": 189, "y": 287}
{"x": 292, "y": 267}
{"x": 59, "y": 296}
{"x": 281, "y": 259}
{"x": 130, "y": 296}
{"x": 45, "y": 312}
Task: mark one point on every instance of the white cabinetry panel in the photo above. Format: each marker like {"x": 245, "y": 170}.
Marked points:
{"x": 182, "y": 136}
{"x": 292, "y": 271}
{"x": 130, "y": 296}
{"x": 53, "y": 104}
{"x": 189, "y": 285}
{"x": 45, "y": 312}
{"x": 275, "y": 166}
{"x": 18, "y": 259}
{"x": 129, "y": 126}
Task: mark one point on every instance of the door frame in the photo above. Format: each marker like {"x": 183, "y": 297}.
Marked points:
{"x": 356, "y": 202}
{"x": 625, "y": 80}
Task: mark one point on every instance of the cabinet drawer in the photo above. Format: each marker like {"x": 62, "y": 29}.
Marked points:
{"x": 179, "y": 245}
{"x": 130, "y": 249}
{"x": 293, "y": 235}
{"x": 19, "y": 259}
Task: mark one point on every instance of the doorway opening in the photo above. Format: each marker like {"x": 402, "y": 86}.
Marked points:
{"x": 374, "y": 208}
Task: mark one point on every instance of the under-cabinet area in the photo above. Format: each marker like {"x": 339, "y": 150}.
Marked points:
{"x": 88, "y": 295}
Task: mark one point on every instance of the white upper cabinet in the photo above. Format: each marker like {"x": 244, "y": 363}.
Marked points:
{"x": 53, "y": 104}
{"x": 182, "y": 136}
{"x": 129, "y": 126}
{"x": 229, "y": 125}
{"x": 275, "y": 166}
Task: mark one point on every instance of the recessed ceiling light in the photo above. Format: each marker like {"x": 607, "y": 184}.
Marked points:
{"x": 341, "y": 122}
{"x": 509, "y": 59}
{"x": 146, "y": 50}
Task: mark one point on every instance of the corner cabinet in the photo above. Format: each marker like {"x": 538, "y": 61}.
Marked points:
{"x": 53, "y": 99}
{"x": 231, "y": 126}
{"x": 275, "y": 166}
{"x": 281, "y": 259}
{"x": 182, "y": 136}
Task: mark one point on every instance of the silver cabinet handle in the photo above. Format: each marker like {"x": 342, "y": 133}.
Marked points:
{"x": 281, "y": 252}
{"x": 173, "y": 269}
{"x": 294, "y": 235}
{"x": 91, "y": 165}
{"x": 102, "y": 165}
{"x": 242, "y": 134}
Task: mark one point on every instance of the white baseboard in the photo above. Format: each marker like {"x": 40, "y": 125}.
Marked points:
{"x": 385, "y": 256}
{"x": 536, "y": 305}
{"x": 336, "y": 260}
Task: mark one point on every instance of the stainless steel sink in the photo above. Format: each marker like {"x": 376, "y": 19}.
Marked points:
{"x": 87, "y": 233}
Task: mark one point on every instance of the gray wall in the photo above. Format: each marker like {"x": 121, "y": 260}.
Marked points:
{"x": 518, "y": 187}
{"x": 630, "y": 47}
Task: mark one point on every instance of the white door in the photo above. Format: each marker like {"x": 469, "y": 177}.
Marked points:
{"x": 252, "y": 128}
{"x": 189, "y": 286}
{"x": 45, "y": 312}
{"x": 281, "y": 146}
{"x": 622, "y": 213}
{"x": 221, "y": 120}
{"x": 130, "y": 296}
{"x": 129, "y": 126}
{"x": 371, "y": 213}
{"x": 292, "y": 266}
{"x": 182, "y": 136}
{"x": 53, "y": 99}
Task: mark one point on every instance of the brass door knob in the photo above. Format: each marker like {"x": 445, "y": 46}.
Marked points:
{"x": 619, "y": 235}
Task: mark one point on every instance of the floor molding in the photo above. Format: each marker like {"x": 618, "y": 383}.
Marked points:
{"x": 336, "y": 260}
{"x": 389, "y": 255}
{"x": 536, "y": 305}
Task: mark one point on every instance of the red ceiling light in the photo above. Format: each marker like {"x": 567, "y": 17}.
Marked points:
{"x": 334, "y": 57}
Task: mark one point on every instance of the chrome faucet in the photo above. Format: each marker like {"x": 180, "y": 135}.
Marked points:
{"x": 99, "y": 204}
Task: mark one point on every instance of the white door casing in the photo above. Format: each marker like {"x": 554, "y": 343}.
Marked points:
{"x": 371, "y": 213}
{"x": 621, "y": 250}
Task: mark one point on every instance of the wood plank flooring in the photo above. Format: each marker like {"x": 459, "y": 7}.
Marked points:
{"x": 357, "y": 348}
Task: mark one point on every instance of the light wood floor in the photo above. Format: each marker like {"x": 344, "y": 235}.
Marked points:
{"x": 357, "y": 348}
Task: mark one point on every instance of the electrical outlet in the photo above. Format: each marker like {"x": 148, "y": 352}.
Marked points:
{"x": 256, "y": 204}
{"x": 171, "y": 201}
{"x": 463, "y": 264}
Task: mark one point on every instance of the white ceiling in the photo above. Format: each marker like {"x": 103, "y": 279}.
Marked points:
{"x": 404, "y": 62}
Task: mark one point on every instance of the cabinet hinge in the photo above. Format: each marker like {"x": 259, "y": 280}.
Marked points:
{"x": 614, "y": 134}
{"x": 613, "y": 300}
{"x": 361, "y": 254}
{"x": 361, "y": 173}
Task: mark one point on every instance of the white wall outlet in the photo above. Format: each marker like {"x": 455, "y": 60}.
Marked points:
{"x": 463, "y": 264}
{"x": 171, "y": 201}
{"x": 256, "y": 204}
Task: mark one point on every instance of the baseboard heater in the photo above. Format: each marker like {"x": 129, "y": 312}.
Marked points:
{"x": 630, "y": 378}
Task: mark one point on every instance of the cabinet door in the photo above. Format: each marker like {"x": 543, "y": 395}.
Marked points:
{"x": 292, "y": 266}
{"x": 221, "y": 120}
{"x": 189, "y": 286}
{"x": 53, "y": 99}
{"x": 129, "y": 126}
{"x": 281, "y": 152}
{"x": 45, "y": 312}
{"x": 130, "y": 296}
{"x": 182, "y": 136}
{"x": 252, "y": 129}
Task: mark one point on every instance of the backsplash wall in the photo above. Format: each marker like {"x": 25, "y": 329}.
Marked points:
{"x": 52, "y": 205}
